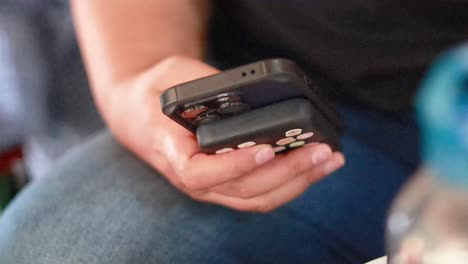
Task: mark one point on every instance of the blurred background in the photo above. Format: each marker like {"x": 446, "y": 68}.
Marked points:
{"x": 45, "y": 103}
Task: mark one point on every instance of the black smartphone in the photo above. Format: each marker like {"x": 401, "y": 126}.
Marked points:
{"x": 285, "y": 125}
{"x": 240, "y": 91}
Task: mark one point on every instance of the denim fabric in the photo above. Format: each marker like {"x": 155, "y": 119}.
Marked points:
{"x": 103, "y": 205}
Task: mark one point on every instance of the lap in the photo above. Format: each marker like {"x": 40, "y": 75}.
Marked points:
{"x": 103, "y": 205}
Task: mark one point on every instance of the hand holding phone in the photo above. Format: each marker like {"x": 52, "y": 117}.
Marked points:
{"x": 267, "y": 102}
{"x": 250, "y": 179}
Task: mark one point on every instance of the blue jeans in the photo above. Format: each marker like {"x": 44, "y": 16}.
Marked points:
{"x": 103, "y": 205}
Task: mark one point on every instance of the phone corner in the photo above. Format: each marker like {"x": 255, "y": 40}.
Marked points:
{"x": 168, "y": 100}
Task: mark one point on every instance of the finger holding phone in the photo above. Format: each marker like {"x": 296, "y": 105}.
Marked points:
{"x": 129, "y": 69}
{"x": 248, "y": 179}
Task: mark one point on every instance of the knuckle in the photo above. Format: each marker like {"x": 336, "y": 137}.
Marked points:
{"x": 182, "y": 164}
{"x": 244, "y": 192}
{"x": 295, "y": 168}
{"x": 191, "y": 182}
{"x": 196, "y": 196}
{"x": 188, "y": 178}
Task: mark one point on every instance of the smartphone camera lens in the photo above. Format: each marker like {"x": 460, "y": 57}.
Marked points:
{"x": 231, "y": 104}
{"x": 193, "y": 111}
{"x": 206, "y": 117}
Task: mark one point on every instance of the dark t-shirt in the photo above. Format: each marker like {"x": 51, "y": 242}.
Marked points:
{"x": 373, "y": 53}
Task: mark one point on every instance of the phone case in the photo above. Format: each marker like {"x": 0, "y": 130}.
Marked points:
{"x": 284, "y": 125}
{"x": 240, "y": 90}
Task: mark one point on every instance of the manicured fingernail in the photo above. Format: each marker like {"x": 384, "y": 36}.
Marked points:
{"x": 321, "y": 155}
{"x": 264, "y": 154}
{"x": 333, "y": 164}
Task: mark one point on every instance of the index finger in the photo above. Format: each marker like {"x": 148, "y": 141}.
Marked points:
{"x": 204, "y": 171}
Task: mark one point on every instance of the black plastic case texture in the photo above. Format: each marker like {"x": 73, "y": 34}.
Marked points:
{"x": 270, "y": 125}
{"x": 284, "y": 108}
{"x": 259, "y": 84}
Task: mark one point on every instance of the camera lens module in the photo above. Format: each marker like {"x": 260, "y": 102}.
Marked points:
{"x": 207, "y": 117}
{"x": 193, "y": 111}
{"x": 231, "y": 104}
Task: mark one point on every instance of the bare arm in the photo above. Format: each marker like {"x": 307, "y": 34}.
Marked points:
{"x": 121, "y": 38}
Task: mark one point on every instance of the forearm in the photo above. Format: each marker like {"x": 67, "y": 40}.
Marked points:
{"x": 121, "y": 38}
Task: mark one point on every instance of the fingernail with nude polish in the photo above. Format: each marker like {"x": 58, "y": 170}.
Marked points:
{"x": 321, "y": 155}
{"x": 264, "y": 154}
{"x": 334, "y": 164}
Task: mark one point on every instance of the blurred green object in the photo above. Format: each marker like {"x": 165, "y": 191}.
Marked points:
{"x": 6, "y": 191}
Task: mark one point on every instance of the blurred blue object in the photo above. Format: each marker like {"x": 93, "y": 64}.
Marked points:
{"x": 443, "y": 115}
{"x": 45, "y": 102}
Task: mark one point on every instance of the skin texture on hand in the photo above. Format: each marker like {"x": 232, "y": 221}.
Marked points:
{"x": 136, "y": 50}
{"x": 250, "y": 179}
